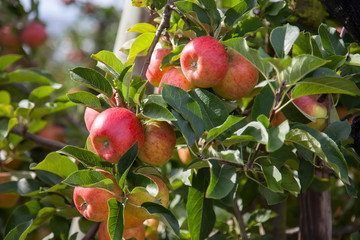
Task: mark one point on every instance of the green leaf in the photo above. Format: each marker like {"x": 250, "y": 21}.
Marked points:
{"x": 271, "y": 197}
{"x": 246, "y": 27}
{"x": 282, "y": 39}
{"x": 137, "y": 91}
{"x": 157, "y": 112}
{"x": 25, "y": 75}
{"x": 142, "y": 28}
{"x": 300, "y": 67}
{"x": 253, "y": 131}
{"x": 92, "y": 79}
{"x": 116, "y": 219}
{"x": 273, "y": 178}
{"x": 263, "y": 103}
{"x": 163, "y": 214}
{"x": 20, "y": 231}
{"x": 89, "y": 158}
{"x": 125, "y": 163}
{"x": 277, "y": 136}
{"x": 85, "y": 98}
{"x": 6, "y": 125}
{"x": 311, "y": 86}
{"x": 333, "y": 155}
{"x": 109, "y": 62}
{"x": 172, "y": 57}
{"x": 331, "y": 41}
{"x": 252, "y": 55}
{"x": 57, "y": 164}
{"x": 212, "y": 108}
{"x": 306, "y": 174}
{"x": 5, "y": 98}
{"x": 140, "y": 46}
{"x": 200, "y": 212}
{"x": 338, "y": 131}
{"x": 217, "y": 131}
{"x": 185, "y": 128}
{"x": 233, "y": 14}
{"x": 7, "y": 60}
{"x": 42, "y": 92}
{"x": 302, "y": 45}
{"x": 222, "y": 180}
{"x": 288, "y": 181}
{"x": 89, "y": 178}
{"x": 183, "y": 103}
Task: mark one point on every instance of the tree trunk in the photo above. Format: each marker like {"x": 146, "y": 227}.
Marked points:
{"x": 315, "y": 212}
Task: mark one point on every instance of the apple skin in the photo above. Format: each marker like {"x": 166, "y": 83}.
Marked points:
{"x": 310, "y": 106}
{"x": 89, "y": 116}
{"x": 184, "y": 155}
{"x": 159, "y": 143}
{"x": 114, "y": 131}
{"x": 153, "y": 72}
{"x": 134, "y": 215}
{"x": 9, "y": 38}
{"x": 152, "y": 225}
{"x": 34, "y": 34}
{"x": 204, "y": 61}
{"x": 175, "y": 77}
{"x": 240, "y": 79}
{"x": 278, "y": 119}
{"x": 137, "y": 232}
{"x": 92, "y": 202}
{"x": 7, "y": 200}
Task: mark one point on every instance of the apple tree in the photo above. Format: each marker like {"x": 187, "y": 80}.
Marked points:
{"x": 277, "y": 161}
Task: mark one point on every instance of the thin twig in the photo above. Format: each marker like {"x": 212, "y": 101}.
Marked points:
{"x": 239, "y": 218}
{"x": 250, "y": 164}
{"x": 54, "y": 145}
{"x": 91, "y": 233}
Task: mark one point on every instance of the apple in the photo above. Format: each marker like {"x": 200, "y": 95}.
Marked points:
{"x": 133, "y": 213}
{"x": 278, "y": 119}
{"x": 9, "y": 38}
{"x": 152, "y": 225}
{"x": 89, "y": 116}
{"x": 114, "y": 131}
{"x": 153, "y": 72}
{"x": 204, "y": 61}
{"x": 240, "y": 79}
{"x": 176, "y": 78}
{"x": 92, "y": 202}
{"x": 137, "y": 232}
{"x": 34, "y": 34}
{"x": 53, "y": 132}
{"x": 159, "y": 143}
{"x": 7, "y": 200}
{"x": 312, "y": 107}
{"x": 184, "y": 155}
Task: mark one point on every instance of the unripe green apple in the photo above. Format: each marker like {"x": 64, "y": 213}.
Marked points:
{"x": 154, "y": 73}
{"x": 114, "y": 131}
{"x": 204, "y": 61}
{"x": 312, "y": 107}
{"x": 159, "y": 143}
{"x": 92, "y": 202}
{"x": 175, "y": 77}
{"x": 240, "y": 79}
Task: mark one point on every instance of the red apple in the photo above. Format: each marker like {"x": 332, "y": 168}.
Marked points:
{"x": 114, "y": 131}
{"x": 239, "y": 80}
{"x": 53, "y": 132}
{"x": 159, "y": 143}
{"x": 92, "y": 202}
{"x": 7, "y": 200}
{"x": 34, "y": 34}
{"x": 204, "y": 61}
{"x": 278, "y": 119}
{"x": 137, "y": 232}
{"x": 312, "y": 107}
{"x": 176, "y": 78}
{"x": 154, "y": 73}
{"x": 152, "y": 225}
{"x": 89, "y": 117}
{"x": 184, "y": 155}
{"x": 9, "y": 38}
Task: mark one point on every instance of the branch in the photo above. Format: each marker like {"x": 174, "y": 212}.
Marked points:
{"x": 54, "y": 145}
{"x": 91, "y": 233}
{"x": 240, "y": 220}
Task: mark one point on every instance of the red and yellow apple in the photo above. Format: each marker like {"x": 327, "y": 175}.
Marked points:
{"x": 34, "y": 34}
{"x": 89, "y": 116}
{"x": 159, "y": 143}
{"x": 9, "y": 38}
{"x": 137, "y": 232}
{"x": 184, "y": 155}
{"x": 152, "y": 225}
{"x": 114, "y": 131}
{"x": 240, "y": 79}
{"x": 313, "y": 108}
{"x": 7, "y": 200}
{"x": 154, "y": 73}
{"x": 175, "y": 77}
{"x": 92, "y": 202}
{"x": 278, "y": 118}
{"x": 204, "y": 61}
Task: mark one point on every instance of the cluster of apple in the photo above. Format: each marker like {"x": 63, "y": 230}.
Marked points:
{"x": 33, "y": 35}
{"x": 205, "y": 63}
